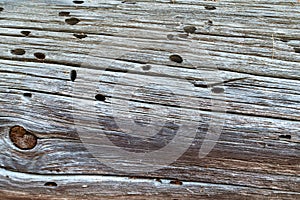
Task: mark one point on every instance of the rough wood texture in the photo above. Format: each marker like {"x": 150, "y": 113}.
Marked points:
{"x": 121, "y": 51}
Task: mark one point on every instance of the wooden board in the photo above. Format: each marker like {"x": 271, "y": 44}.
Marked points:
{"x": 236, "y": 88}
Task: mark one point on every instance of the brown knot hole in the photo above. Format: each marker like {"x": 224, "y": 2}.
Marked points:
{"x": 22, "y": 138}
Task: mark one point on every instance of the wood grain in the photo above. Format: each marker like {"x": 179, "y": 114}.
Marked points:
{"x": 243, "y": 51}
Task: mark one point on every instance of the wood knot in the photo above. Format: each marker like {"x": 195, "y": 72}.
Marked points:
{"x": 22, "y": 138}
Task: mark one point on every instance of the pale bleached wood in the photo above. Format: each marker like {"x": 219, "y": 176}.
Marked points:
{"x": 250, "y": 44}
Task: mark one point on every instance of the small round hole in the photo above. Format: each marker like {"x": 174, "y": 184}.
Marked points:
{"x": 18, "y": 51}
{"x": 176, "y": 182}
{"x": 1, "y": 9}
{"x": 217, "y": 90}
{"x": 285, "y": 137}
{"x": 50, "y": 184}
{"x": 176, "y": 58}
{"x": 80, "y": 36}
{"x": 28, "y": 95}
{"x": 73, "y": 75}
{"x": 25, "y": 33}
{"x": 100, "y": 97}
{"x": 209, "y": 7}
{"x": 64, "y": 13}
{"x": 78, "y": 2}
{"x": 72, "y": 21}
{"x": 146, "y": 67}
{"x": 297, "y": 49}
{"x": 189, "y": 29}
{"x": 40, "y": 56}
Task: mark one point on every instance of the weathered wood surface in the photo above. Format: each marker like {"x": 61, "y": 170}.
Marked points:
{"x": 253, "y": 46}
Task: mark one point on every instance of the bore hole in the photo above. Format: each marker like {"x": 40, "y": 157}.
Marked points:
{"x": 129, "y": 1}
{"x": 64, "y": 13}
{"x": 209, "y": 22}
{"x": 209, "y": 7}
{"x": 285, "y": 137}
{"x": 22, "y": 138}
{"x": 217, "y": 90}
{"x": 40, "y": 56}
{"x": 72, "y": 21}
{"x": 51, "y": 184}
{"x": 1, "y": 9}
{"x": 100, "y": 97}
{"x": 73, "y": 75}
{"x": 146, "y": 67}
{"x": 284, "y": 39}
{"x": 26, "y": 33}
{"x": 297, "y": 49}
{"x": 189, "y": 29}
{"x": 158, "y": 180}
{"x": 18, "y": 51}
{"x": 176, "y": 58}
{"x": 29, "y": 95}
{"x": 80, "y": 36}
{"x": 78, "y": 2}
{"x": 170, "y": 36}
{"x": 176, "y": 182}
